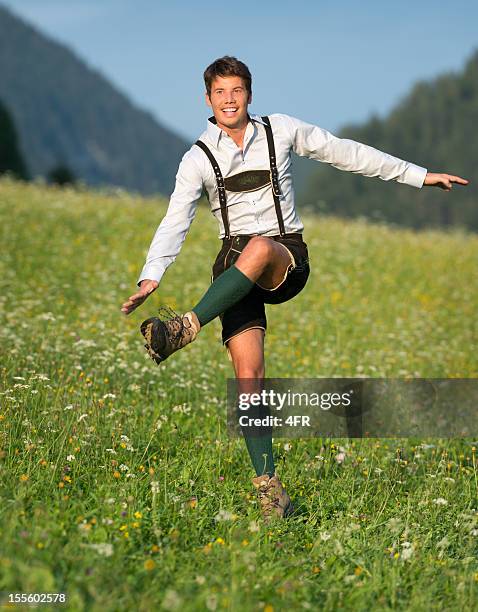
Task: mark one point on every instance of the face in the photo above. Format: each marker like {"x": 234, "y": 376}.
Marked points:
{"x": 229, "y": 100}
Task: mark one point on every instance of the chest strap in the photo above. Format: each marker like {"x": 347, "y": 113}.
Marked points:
{"x": 274, "y": 175}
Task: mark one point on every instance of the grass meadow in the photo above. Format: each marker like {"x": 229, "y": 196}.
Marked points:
{"x": 119, "y": 485}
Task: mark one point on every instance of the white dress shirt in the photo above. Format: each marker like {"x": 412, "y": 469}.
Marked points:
{"x": 254, "y": 212}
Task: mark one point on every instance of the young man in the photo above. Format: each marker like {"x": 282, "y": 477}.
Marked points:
{"x": 244, "y": 163}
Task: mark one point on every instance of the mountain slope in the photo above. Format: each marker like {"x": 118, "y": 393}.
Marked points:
{"x": 66, "y": 112}
{"x": 434, "y": 127}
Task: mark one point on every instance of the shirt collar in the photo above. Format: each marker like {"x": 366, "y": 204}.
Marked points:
{"x": 214, "y": 132}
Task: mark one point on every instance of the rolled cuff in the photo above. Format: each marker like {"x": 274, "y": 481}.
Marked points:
{"x": 414, "y": 176}
{"x": 151, "y": 272}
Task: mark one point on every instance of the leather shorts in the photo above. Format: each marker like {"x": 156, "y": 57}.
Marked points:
{"x": 250, "y": 312}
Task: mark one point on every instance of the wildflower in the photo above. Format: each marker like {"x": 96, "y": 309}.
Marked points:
{"x": 105, "y": 550}
{"x": 253, "y": 527}
{"x": 116, "y": 474}
{"x": 219, "y": 541}
{"x": 440, "y": 501}
{"x": 70, "y": 457}
{"x": 24, "y": 477}
{"x": 324, "y": 536}
{"x": 138, "y": 515}
{"x": 200, "y": 579}
{"x": 287, "y": 447}
{"x": 224, "y": 515}
{"x": 149, "y": 564}
{"x": 155, "y": 487}
{"x": 340, "y": 457}
{"x": 407, "y": 551}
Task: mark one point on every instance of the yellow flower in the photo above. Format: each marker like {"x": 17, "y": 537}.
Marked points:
{"x": 138, "y": 515}
{"x": 135, "y": 525}
{"x": 155, "y": 548}
{"x": 149, "y": 564}
{"x": 123, "y": 527}
{"x": 358, "y": 570}
{"x": 116, "y": 474}
{"x": 24, "y": 477}
{"x": 316, "y": 570}
{"x": 219, "y": 541}
{"x": 268, "y": 608}
{"x": 245, "y": 542}
{"x": 193, "y": 503}
{"x": 61, "y": 485}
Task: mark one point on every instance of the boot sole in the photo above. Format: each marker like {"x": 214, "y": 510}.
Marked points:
{"x": 154, "y": 334}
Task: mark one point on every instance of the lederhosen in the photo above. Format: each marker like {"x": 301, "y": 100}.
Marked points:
{"x": 249, "y": 312}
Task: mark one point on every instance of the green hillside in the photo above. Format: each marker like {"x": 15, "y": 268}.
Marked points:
{"x": 433, "y": 126}
{"x": 119, "y": 484}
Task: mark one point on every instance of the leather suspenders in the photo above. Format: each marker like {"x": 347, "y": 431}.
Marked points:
{"x": 274, "y": 176}
{"x": 220, "y": 185}
{"x": 276, "y": 192}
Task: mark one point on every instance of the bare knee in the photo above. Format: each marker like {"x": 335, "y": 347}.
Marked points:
{"x": 261, "y": 247}
{"x": 245, "y": 370}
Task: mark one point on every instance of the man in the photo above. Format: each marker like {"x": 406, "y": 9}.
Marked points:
{"x": 244, "y": 163}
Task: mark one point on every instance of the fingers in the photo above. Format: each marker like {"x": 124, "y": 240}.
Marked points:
{"x": 458, "y": 179}
{"x": 133, "y": 302}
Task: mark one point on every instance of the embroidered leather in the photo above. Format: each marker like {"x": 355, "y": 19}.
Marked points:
{"x": 249, "y": 180}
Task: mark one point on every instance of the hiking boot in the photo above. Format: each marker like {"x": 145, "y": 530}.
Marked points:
{"x": 273, "y": 497}
{"x": 164, "y": 337}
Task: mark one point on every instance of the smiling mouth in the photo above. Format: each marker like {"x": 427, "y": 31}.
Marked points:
{"x": 230, "y": 110}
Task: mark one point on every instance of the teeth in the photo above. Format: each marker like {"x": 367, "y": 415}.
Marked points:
{"x": 230, "y": 110}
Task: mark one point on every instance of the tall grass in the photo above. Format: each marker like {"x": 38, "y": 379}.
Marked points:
{"x": 119, "y": 484}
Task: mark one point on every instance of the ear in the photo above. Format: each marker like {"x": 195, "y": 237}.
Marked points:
{"x": 249, "y": 99}
{"x": 208, "y": 100}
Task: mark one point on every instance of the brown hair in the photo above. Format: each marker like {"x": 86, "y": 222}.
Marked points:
{"x": 224, "y": 67}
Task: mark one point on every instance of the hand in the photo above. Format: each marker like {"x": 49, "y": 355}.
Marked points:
{"x": 147, "y": 287}
{"x": 445, "y": 181}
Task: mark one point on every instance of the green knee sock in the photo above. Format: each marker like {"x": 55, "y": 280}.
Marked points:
{"x": 228, "y": 288}
{"x": 259, "y": 441}
{"x": 260, "y": 452}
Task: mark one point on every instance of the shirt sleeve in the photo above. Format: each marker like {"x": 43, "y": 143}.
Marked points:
{"x": 316, "y": 143}
{"x": 172, "y": 230}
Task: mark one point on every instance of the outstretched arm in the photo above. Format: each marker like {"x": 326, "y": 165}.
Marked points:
{"x": 171, "y": 232}
{"x": 445, "y": 181}
{"x": 316, "y": 143}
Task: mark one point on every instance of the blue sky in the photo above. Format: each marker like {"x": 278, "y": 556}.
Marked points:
{"x": 326, "y": 62}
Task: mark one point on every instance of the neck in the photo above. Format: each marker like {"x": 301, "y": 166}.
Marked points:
{"x": 236, "y": 133}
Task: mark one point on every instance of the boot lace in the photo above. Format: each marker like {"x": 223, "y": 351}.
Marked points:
{"x": 175, "y": 325}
